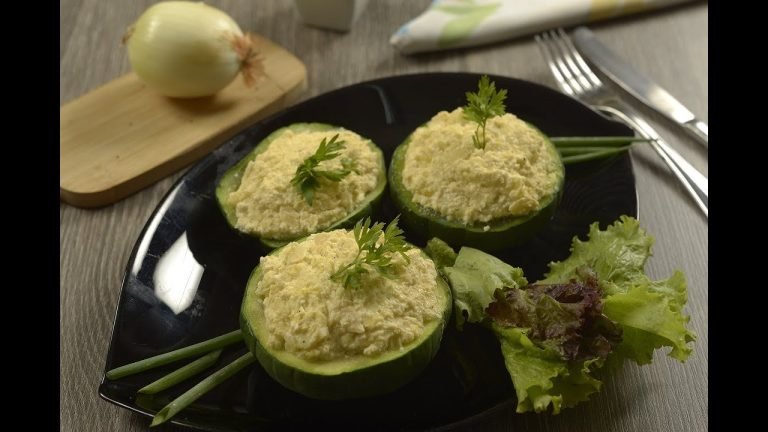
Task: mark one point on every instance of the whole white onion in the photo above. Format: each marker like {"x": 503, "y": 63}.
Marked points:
{"x": 185, "y": 49}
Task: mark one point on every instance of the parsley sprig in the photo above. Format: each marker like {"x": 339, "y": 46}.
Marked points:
{"x": 307, "y": 178}
{"x": 481, "y": 106}
{"x": 372, "y": 254}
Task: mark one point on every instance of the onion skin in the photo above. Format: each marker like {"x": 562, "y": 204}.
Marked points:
{"x": 187, "y": 50}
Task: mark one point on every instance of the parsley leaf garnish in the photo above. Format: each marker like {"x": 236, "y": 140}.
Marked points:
{"x": 372, "y": 254}
{"x": 481, "y": 106}
{"x": 307, "y": 178}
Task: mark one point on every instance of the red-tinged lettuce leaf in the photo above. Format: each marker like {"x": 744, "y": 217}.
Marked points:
{"x": 649, "y": 312}
{"x": 541, "y": 377}
{"x": 475, "y": 277}
{"x": 566, "y": 318}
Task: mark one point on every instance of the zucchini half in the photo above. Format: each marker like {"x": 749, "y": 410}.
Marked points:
{"x": 231, "y": 179}
{"x": 351, "y": 378}
{"x": 496, "y": 234}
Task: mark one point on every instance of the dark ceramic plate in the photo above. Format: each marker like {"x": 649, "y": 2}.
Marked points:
{"x": 185, "y": 279}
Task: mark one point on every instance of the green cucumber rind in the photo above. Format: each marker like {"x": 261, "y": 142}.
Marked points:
{"x": 231, "y": 179}
{"x": 371, "y": 380}
{"x": 502, "y": 233}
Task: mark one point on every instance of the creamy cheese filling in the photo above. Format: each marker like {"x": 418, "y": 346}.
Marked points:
{"x": 267, "y": 205}
{"x": 317, "y": 319}
{"x": 510, "y": 177}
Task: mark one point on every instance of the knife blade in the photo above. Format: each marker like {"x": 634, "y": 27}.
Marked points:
{"x": 638, "y": 85}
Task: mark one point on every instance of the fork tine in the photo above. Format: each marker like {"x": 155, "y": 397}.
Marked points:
{"x": 579, "y": 60}
{"x": 549, "y": 58}
{"x": 551, "y": 39}
{"x": 561, "y": 39}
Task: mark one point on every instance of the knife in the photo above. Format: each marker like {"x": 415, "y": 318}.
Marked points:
{"x": 638, "y": 85}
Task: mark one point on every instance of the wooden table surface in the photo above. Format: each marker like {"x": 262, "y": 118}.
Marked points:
{"x": 669, "y": 45}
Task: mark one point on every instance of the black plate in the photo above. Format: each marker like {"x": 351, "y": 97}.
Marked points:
{"x": 188, "y": 251}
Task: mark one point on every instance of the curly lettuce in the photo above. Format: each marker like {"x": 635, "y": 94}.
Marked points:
{"x": 556, "y": 332}
{"x": 565, "y": 318}
{"x": 649, "y": 312}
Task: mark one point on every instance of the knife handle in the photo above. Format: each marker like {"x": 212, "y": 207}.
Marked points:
{"x": 699, "y": 130}
{"x": 693, "y": 181}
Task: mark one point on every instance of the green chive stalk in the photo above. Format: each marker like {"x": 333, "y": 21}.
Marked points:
{"x": 182, "y": 373}
{"x": 179, "y": 354}
{"x": 201, "y": 388}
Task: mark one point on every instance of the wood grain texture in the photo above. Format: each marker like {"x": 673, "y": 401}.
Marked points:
{"x": 669, "y": 45}
{"x": 124, "y": 136}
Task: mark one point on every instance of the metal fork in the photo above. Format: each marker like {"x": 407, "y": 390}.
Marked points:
{"x": 575, "y": 78}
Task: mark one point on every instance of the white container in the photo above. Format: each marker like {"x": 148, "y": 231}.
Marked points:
{"x": 330, "y": 14}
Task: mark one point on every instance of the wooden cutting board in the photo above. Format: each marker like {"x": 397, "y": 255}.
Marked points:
{"x": 122, "y": 137}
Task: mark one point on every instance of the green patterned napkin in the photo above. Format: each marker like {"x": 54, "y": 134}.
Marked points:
{"x": 450, "y": 24}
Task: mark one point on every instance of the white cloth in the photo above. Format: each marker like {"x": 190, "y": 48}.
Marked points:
{"x": 448, "y": 24}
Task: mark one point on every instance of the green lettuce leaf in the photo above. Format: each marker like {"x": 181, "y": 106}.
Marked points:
{"x": 649, "y": 312}
{"x": 649, "y": 322}
{"x": 617, "y": 256}
{"x": 674, "y": 289}
{"x": 441, "y": 253}
{"x": 474, "y": 279}
{"x": 541, "y": 378}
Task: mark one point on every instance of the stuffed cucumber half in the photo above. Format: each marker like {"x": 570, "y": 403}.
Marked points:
{"x": 335, "y": 316}
{"x": 302, "y": 179}
{"x": 490, "y": 198}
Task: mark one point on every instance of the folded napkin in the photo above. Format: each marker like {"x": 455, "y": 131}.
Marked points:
{"x": 450, "y": 24}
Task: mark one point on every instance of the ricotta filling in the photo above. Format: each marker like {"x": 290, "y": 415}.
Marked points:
{"x": 445, "y": 172}
{"x": 317, "y": 319}
{"x": 268, "y": 205}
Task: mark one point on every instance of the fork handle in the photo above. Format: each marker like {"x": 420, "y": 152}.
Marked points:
{"x": 694, "y": 182}
{"x": 698, "y": 129}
